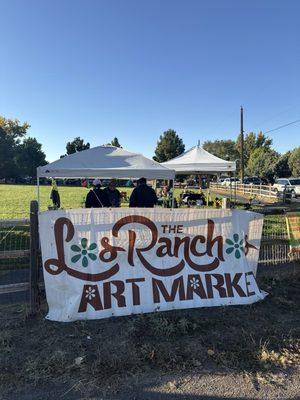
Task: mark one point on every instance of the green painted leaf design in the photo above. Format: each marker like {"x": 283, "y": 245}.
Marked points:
{"x": 74, "y": 259}
{"x": 229, "y": 250}
{"x": 92, "y": 246}
{"x": 85, "y": 261}
{"x": 74, "y": 247}
{"x": 236, "y": 237}
{"x": 237, "y": 254}
{"x": 241, "y": 242}
{"x": 83, "y": 242}
{"x": 230, "y": 242}
{"x": 92, "y": 256}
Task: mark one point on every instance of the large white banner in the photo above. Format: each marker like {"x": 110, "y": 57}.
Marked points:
{"x": 100, "y": 263}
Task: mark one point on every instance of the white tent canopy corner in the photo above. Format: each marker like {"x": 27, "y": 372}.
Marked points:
{"x": 105, "y": 162}
{"x": 197, "y": 160}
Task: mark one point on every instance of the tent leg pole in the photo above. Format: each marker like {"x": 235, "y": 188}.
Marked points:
{"x": 38, "y": 192}
{"x": 230, "y": 174}
{"x": 235, "y": 183}
{"x": 173, "y": 194}
{"x": 207, "y": 190}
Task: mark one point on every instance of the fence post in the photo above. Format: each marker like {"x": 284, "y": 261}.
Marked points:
{"x": 34, "y": 248}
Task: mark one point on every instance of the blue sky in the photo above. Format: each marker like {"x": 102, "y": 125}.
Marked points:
{"x": 132, "y": 69}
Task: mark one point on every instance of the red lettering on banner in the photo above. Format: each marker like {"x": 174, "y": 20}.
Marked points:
{"x": 59, "y": 262}
{"x": 90, "y": 295}
{"x": 185, "y": 250}
{"x": 136, "y": 298}
{"x": 158, "y": 288}
{"x": 219, "y": 285}
{"x": 249, "y": 283}
{"x": 118, "y": 294}
{"x": 233, "y": 284}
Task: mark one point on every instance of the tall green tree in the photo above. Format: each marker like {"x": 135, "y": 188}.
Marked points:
{"x": 282, "y": 169}
{"x": 262, "y": 162}
{"x": 294, "y": 162}
{"x": 225, "y": 149}
{"x": 76, "y": 145}
{"x": 11, "y": 132}
{"x": 169, "y": 145}
{"x": 252, "y": 141}
{"x": 29, "y": 156}
{"x": 115, "y": 142}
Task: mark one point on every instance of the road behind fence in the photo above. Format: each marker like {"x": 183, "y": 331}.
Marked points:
{"x": 20, "y": 265}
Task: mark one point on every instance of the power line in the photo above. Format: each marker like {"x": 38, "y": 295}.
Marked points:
{"x": 283, "y": 126}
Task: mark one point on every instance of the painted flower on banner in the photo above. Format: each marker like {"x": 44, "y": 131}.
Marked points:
{"x": 235, "y": 245}
{"x": 194, "y": 282}
{"x": 84, "y": 252}
{"x": 90, "y": 293}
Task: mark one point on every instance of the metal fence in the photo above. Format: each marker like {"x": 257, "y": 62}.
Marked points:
{"x": 20, "y": 264}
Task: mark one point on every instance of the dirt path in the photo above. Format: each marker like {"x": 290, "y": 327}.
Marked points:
{"x": 241, "y": 352}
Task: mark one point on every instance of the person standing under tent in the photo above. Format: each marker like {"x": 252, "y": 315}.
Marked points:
{"x": 54, "y": 196}
{"x": 143, "y": 195}
{"x": 96, "y": 197}
{"x": 114, "y": 196}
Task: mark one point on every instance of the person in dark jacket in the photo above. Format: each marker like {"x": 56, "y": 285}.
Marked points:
{"x": 97, "y": 197}
{"x": 143, "y": 195}
{"x": 114, "y": 196}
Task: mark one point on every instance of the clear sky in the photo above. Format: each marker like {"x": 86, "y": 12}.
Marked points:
{"x": 134, "y": 68}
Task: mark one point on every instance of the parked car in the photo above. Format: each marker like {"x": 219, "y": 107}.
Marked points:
{"x": 221, "y": 179}
{"x": 292, "y": 185}
{"x": 233, "y": 181}
{"x": 255, "y": 180}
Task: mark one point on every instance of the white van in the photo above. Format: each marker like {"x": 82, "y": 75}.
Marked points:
{"x": 291, "y": 184}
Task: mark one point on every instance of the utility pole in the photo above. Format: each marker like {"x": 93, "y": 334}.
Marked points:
{"x": 242, "y": 145}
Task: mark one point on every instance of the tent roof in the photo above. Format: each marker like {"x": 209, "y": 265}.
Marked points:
{"x": 105, "y": 162}
{"x": 197, "y": 160}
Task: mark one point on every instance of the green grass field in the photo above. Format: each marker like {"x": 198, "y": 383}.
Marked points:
{"x": 15, "y": 199}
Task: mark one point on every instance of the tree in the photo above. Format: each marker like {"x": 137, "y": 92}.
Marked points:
{"x": 262, "y": 163}
{"x": 169, "y": 145}
{"x": 76, "y": 145}
{"x": 225, "y": 149}
{"x": 252, "y": 141}
{"x": 11, "y": 132}
{"x": 29, "y": 156}
{"x": 282, "y": 169}
{"x": 294, "y": 161}
{"x": 13, "y": 128}
{"x": 115, "y": 142}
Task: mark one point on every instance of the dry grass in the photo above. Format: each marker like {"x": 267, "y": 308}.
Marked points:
{"x": 260, "y": 340}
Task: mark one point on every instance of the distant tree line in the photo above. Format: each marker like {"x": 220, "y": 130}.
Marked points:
{"x": 20, "y": 154}
{"x": 260, "y": 158}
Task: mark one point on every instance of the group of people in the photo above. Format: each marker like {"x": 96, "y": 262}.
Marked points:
{"x": 141, "y": 196}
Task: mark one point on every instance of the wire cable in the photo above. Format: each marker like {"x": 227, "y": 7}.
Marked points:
{"x": 282, "y": 126}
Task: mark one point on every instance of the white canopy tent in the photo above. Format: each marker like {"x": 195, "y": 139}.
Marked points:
{"x": 199, "y": 161}
{"x": 105, "y": 162}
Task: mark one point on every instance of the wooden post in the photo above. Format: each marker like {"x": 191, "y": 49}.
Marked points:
{"x": 34, "y": 248}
